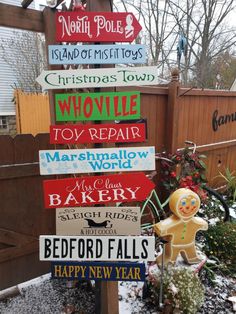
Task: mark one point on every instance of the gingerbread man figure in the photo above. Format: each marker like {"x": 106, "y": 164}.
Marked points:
{"x": 180, "y": 229}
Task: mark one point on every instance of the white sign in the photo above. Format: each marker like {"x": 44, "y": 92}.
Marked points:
{"x": 98, "y": 221}
{"x": 122, "y": 248}
{"x": 122, "y": 159}
{"x": 129, "y": 76}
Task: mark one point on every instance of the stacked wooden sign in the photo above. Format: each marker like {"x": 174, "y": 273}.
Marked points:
{"x": 88, "y": 238}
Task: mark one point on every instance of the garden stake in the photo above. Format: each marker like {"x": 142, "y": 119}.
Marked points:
{"x": 162, "y": 243}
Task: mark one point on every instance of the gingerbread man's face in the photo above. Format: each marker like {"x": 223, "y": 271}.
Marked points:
{"x": 188, "y": 206}
{"x": 184, "y": 203}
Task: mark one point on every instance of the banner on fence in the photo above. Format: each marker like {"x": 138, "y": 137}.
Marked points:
{"x": 67, "y": 161}
{"x": 91, "y": 190}
{"x": 96, "y": 54}
{"x": 97, "y": 106}
{"x": 97, "y": 133}
{"x": 98, "y": 221}
{"x": 74, "y": 248}
{"x": 99, "y": 271}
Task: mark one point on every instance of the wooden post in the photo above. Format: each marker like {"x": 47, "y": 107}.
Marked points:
{"x": 50, "y": 39}
{"x": 106, "y": 292}
{"x": 172, "y": 113}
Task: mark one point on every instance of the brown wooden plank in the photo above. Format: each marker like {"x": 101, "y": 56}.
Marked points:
{"x": 19, "y": 171}
{"x": 206, "y": 92}
{"x": 14, "y": 238}
{"x": 18, "y": 270}
{"x": 14, "y": 252}
{"x": 42, "y": 142}
{"x": 17, "y": 17}
{"x": 9, "y": 293}
{"x": 7, "y": 150}
{"x": 25, "y": 149}
{"x": 145, "y": 90}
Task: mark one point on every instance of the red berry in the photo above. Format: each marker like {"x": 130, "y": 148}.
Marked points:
{"x": 173, "y": 174}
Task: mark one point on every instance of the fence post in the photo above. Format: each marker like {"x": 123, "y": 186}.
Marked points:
{"x": 172, "y": 113}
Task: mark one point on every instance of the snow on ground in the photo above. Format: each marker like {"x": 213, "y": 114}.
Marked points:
{"x": 46, "y": 296}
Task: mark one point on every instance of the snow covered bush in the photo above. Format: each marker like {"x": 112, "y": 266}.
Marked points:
{"x": 182, "y": 289}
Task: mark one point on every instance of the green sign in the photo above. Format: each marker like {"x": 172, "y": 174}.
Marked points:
{"x": 98, "y": 106}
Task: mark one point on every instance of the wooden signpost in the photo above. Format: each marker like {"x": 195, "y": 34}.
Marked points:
{"x": 97, "y": 133}
{"x": 99, "y": 271}
{"x": 97, "y": 106}
{"x": 97, "y": 54}
{"x": 98, "y": 221}
{"x": 96, "y": 27}
{"x": 68, "y": 161}
{"x": 91, "y": 190}
{"x": 93, "y": 248}
{"x": 97, "y": 226}
{"x": 59, "y": 79}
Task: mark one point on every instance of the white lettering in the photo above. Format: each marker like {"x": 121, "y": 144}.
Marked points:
{"x": 54, "y": 199}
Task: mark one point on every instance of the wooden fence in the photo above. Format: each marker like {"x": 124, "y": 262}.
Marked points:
{"x": 23, "y": 217}
{"x": 173, "y": 114}
{"x": 32, "y": 113}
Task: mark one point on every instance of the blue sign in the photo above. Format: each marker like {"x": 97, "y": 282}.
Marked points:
{"x": 98, "y": 271}
{"x": 96, "y": 54}
{"x": 68, "y": 161}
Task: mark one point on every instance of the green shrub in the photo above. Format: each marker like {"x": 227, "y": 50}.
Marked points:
{"x": 220, "y": 242}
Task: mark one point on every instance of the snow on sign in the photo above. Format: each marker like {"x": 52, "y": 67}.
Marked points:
{"x": 106, "y": 271}
{"x": 97, "y": 133}
{"x": 96, "y": 27}
{"x": 74, "y": 248}
{"x": 91, "y": 190}
{"x": 68, "y": 161}
{"x": 97, "y": 106}
{"x": 98, "y": 221}
{"x": 85, "y": 78}
{"x": 96, "y": 54}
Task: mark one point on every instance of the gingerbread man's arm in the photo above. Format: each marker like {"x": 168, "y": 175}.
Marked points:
{"x": 162, "y": 228}
{"x": 203, "y": 225}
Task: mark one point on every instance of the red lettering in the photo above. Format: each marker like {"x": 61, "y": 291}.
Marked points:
{"x": 88, "y": 107}
{"x": 108, "y": 105}
{"x": 64, "y": 106}
{"x": 116, "y": 105}
{"x": 133, "y": 104}
{"x": 124, "y": 104}
{"x": 77, "y": 107}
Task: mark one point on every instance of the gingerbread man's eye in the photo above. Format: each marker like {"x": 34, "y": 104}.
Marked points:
{"x": 183, "y": 202}
{"x": 193, "y": 202}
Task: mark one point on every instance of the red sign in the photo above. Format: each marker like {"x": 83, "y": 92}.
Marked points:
{"x": 96, "y": 27}
{"x": 103, "y": 133}
{"x": 93, "y": 190}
